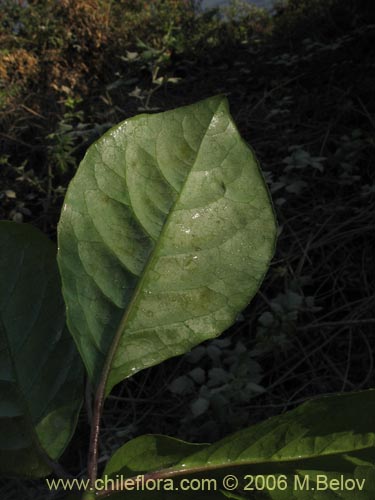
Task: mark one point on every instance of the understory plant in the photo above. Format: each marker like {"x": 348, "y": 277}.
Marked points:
{"x": 165, "y": 235}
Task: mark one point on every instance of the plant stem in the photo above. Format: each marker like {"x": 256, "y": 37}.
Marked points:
{"x": 92, "y": 466}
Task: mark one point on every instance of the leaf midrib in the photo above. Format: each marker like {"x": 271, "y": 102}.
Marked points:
{"x": 173, "y": 471}
{"x": 122, "y": 324}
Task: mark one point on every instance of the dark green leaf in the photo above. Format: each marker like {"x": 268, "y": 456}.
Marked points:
{"x": 41, "y": 373}
{"x": 332, "y": 438}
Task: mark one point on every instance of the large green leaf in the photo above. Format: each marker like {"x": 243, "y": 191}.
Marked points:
{"x": 40, "y": 371}
{"x": 166, "y": 233}
{"x": 324, "y": 439}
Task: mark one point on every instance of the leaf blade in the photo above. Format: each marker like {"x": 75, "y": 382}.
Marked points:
{"x": 149, "y": 453}
{"x": 39, "y": 362}
{"x": 341, "y": 442}
{"x": 163, "y": 202}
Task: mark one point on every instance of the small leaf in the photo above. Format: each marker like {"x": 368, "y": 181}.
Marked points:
{"x": 199, "y": 407}
{"x": 214, "y": 353}
{"x": 218, "y": 376}
{"x": 266, "y": 319}
{"x": 198, "y": 375}
{"x": 166, "y": 234}
{"x": 196, "y": 355}
{"x": 253, "y": 387}
{"x": 182, "y": 385}
{"x": 296, "y": 187}
{"x": 40, "y": 371}
{"x": 9, "y": 193}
